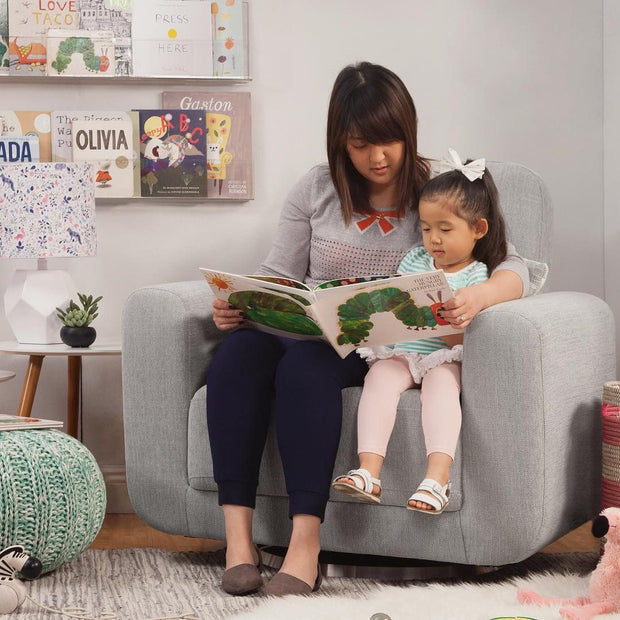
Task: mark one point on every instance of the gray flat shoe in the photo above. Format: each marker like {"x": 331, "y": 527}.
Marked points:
{"x": 283, "y": 584}
{"x": 243, "y": 578}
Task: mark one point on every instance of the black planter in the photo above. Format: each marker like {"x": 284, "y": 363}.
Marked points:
{"x": 79, "y": 337}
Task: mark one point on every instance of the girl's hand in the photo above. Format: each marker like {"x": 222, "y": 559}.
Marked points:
{"x": 464, "y": 306}
{"x": 224, "y": 316}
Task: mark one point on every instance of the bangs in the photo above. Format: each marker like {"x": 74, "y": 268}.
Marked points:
{"x": 371, "y": 121}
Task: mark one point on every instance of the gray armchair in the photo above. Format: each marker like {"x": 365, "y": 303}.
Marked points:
{"x": 528, "y": 465}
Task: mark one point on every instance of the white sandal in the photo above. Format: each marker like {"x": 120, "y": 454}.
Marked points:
{"x": 435, "y": 496}
{"x": 362, "y": 486}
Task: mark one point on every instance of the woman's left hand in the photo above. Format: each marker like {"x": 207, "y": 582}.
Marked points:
{"x": 464, "y": 306}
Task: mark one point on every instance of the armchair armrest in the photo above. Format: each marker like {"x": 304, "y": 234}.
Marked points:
{"x": 168, "y": 341}
{"x": 533, "y": 374}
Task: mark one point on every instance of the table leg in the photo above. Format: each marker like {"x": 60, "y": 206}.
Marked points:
{"x": 74, "y": 367}
{"x": 30, "y": 385}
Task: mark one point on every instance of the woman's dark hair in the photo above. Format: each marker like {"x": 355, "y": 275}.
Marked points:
{"x": 474, "y": 200}
{"x": 372, "y": 103}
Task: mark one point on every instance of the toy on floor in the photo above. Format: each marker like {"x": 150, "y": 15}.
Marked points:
{"x": 604, "y": 586}
{"x": 13, "y": 591}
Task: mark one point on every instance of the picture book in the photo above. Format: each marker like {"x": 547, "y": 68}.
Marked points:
{"x": 114, "y": 15}
{"x": 61, "y": 131}
{"x": 20, "y": 423}
{"x": 228, "y": 27}
{"x": 19, "y": 150}
{"x": 4, "y": 37}
{"x": 29, "y": 22}
{"x": 80, "y": 52}
{"x": 15, "y": 123}
{"x": 229, "y": 139}
{"x": 173, "y": 161}
{"x": 172, "y": 38}
{"x": 109, "y": 146}
{"x": 347, "y": 313}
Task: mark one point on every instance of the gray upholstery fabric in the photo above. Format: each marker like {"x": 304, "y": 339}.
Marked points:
{"x": 528, "y": 464}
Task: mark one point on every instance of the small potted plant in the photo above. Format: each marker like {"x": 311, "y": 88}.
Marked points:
{"x": 76, "y": 330}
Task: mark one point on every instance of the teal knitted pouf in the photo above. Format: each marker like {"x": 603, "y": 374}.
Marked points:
{"x": 52, "y": 495}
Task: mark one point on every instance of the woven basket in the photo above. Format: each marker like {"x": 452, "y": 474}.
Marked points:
{"x": 611, "y": 444}
{"x": 52, "y": 495}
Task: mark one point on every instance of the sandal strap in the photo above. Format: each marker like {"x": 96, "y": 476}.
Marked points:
{"x": 438, "y": 497}
{"x": 366, "y": 482}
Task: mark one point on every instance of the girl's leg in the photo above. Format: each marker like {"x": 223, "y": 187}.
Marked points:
{"x": 385, "y": 382}
{"x": 441, "y": 421}
{"x": 308, "y": 421}
{"x": 239, "y": 396}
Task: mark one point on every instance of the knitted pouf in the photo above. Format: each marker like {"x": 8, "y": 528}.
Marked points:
{"x": 52, "y": 495}
{"x": 611, "y": 444}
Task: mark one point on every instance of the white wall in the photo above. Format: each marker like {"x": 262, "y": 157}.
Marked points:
{"x": 518, "y": 80}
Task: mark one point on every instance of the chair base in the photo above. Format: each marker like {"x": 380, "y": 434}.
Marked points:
{"x": 380, "y": 567}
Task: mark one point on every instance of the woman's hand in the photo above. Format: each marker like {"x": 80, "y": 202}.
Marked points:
{"x": 464, "y": 306}
{"x": 224, "y": 316}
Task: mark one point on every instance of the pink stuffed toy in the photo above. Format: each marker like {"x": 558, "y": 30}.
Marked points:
{"x": 604, "y": 586}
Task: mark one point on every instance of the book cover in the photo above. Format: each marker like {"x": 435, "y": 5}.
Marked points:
{"x": 173, "y": 159}
{"x": 229, "y": 43}
{"x": 109, "y": 146}
{"x": 19, "y": 150}
{"x": 17, "y": 423}
{"x": 113, "y": 15}
{"x": 4, "y": 37}
{"x": 80, "y": 52}
{"x": 229, "y": 139}
{"x": 347, "y": 313}
{"x": 15, "y": 123}
{"x": 61, "y": 130}
{"x": 172, "y": 38}
{"x": 29, "y": 22}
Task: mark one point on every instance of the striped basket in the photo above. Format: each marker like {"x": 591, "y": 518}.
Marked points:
{"x": 611, "y": 444}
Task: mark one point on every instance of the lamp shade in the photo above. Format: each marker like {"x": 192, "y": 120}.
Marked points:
{"x": 47, "y": 210}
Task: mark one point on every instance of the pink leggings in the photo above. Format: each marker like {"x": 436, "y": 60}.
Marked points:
{"x": 386, "y": 380}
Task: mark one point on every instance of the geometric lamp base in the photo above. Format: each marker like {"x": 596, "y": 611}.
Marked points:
{"x": 30, "y": 303}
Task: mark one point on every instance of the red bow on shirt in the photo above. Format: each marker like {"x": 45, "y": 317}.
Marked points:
{"x": 382, "y": 220}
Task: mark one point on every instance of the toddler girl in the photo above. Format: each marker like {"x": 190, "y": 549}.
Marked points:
{"x": 463, "y": 232}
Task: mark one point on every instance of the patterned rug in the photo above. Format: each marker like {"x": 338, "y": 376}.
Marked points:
{"x": 141, "y": 584}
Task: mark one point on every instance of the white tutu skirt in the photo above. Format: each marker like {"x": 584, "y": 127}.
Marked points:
{"x": 419, "y": 364}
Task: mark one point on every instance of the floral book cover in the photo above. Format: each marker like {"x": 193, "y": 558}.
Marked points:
{"x": 229, "y": 41}
{"x": 15, "y": 123}
{"x": 229, "y": 139}
{"x": 173, "y": 147}
{"x": 29, "y": 22}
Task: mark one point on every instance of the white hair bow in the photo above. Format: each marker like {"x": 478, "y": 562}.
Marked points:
{"x": 473, "y": 170}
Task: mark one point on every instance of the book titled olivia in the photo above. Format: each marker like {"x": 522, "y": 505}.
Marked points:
{"x": 109, "y": 145}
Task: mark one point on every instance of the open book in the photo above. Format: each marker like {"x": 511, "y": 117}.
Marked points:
{"x": 17, "y": 423}
{"x": 348, "y": 313}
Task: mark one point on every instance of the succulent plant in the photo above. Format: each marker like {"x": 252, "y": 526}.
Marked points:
{"x": 74, "y": 316}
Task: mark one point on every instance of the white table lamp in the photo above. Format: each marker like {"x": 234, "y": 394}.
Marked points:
{"x": 47, "y": 210}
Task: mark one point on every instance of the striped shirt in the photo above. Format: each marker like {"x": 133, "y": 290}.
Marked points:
{"x": 418, "y": 260}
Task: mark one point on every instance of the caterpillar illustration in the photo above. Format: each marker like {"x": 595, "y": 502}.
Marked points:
{"x": 354, "y": 315}
{"x": 84, "y": 46}
{"x": 274, "y": 311}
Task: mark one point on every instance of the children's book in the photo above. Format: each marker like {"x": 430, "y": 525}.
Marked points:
{"x": 29, "y": 23}
{"x": 62, "y": 128}
{"x": 80, "y": 52}
{"x": 4, "y": 37}
{"x": 172, "y": 38}
{"x": 15, "y": 123}
{"x": 19, "y": 150}
{"x": 109, "y": 146}
{"x": 229, "y": 139}
{"x": 173, "y": 161}
{"x": 347, "y": 313}
{"x": 114, "y": 15}
{"x": 228, "y": 29}
{"x": 18, "y": 423}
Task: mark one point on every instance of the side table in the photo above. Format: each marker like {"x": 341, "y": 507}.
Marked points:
{"x": 36, "y": 354}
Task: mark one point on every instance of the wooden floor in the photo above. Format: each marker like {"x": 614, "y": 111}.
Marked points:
{"x": 121, "y": 531}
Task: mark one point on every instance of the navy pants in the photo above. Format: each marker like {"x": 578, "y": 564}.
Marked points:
{"x": 253, "y": 371}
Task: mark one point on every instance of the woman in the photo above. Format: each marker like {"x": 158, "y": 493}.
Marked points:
{"x": 355, "y": 216}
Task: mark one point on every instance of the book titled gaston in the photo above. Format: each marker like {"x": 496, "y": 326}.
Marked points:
{"x": 347, "y": 313}
{"x": 17, "y": 423}
{"x": 229, "y": 139}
